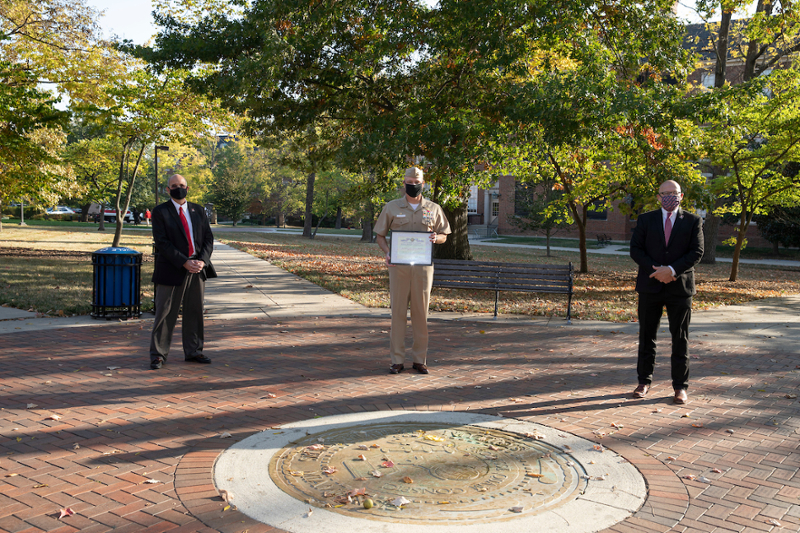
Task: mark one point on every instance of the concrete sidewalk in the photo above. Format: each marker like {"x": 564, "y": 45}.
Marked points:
{"x": 85, "y": 424}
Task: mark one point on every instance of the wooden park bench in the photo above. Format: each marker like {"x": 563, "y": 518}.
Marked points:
{"x": 518, "y": 277}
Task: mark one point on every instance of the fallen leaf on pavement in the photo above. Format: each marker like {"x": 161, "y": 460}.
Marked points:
{"x": 516, "y": 509}
{"x": 387, "y": 464}
{"x": 151, "y": 481}
{"x": 774, "y": 522}
{"x": 316, "y": 447}
{"x": 716, "y": 470}
{"x": 434, "y": 438}
{"x": 31, "y": 405}
{"x": 375, "y": 473}
{"x": 407, "y": 479}
{"x": 225, "y": 435}
{"x": 399, "y": 501}
{"x": 330, "y": 470}
{"x": 66, "y": 512}
{"x": 53, "y": 417}
{"x": 690, "y": 477}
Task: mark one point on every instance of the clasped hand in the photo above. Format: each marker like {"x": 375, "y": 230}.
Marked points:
{"x": 194, "y": 266}
{"x": 663, "y": 274}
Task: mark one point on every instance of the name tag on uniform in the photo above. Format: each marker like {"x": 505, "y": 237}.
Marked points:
{"x": 400, "y": 216}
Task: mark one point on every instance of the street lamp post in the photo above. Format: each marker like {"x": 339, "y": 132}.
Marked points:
{"x": 166, "y": 149}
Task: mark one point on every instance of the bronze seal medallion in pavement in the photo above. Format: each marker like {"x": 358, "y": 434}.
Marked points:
{"x": 427, "y": 473}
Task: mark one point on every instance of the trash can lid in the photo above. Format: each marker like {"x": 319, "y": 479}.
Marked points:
{"x": 118, "y": 250}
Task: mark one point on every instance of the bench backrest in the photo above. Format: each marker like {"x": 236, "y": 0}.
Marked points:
{"x": 486, "y": 275}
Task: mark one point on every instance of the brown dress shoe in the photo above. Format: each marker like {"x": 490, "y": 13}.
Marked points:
{"x": 396, "y": 369}
{"x": 421, "y": 368}
{"x": 681, "y": 397}
{"x": 641, "y": 391}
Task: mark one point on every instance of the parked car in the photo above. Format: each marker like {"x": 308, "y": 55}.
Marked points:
{"x": 59, "y": 210}
{"x": 110, "y": 215}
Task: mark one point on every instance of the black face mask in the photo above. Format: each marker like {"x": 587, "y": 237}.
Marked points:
{"x": 413, "y": 190}
{"x": 179, "y": 193}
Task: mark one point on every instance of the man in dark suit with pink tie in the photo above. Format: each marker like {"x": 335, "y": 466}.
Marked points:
{"x": 666, "y": 244}
{"x": 184, "y": 244}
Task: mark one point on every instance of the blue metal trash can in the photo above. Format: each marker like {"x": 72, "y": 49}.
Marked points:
{"x": 116, "y": 291}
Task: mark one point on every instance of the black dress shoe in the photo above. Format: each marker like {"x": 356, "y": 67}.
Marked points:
{"x": 199, "y": 359}
{"x": 396, "y": 369}
{"x": 419, "y": 367}
{"x": 156, "y": 363}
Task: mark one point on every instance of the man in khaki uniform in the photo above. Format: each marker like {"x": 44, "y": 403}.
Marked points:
{"x": 410, "y": 283}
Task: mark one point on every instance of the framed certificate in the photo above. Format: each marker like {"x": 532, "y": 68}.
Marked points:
{"x": 411, "y": 248}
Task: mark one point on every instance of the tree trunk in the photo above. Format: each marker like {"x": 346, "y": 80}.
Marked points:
{"x": 752, "y": 55}
{"x": 547, "y": 238}
{"x": 101, "y": 222}
{"x": 722, "y": 49}
{"x": 85, "y": 212}
{"x": 737, "y": 251}
{"x": 280, "y": 220}
{"x": 309, "y": 203}
{"x": 457, "y": 244}
{"x": 366, "y": 223}
{"x": 338, "y": 218}
{"x": 710, "y": 233}
{"x": 775, "y": 249}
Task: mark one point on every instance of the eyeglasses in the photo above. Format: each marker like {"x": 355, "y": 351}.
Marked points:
{"x": 669, "y": 194}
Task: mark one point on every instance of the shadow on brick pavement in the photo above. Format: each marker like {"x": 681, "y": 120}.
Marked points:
{"x": 132, "y": 450}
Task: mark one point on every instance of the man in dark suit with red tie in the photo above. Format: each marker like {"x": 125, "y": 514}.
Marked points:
{"x": 666, "y": 244}
{"x": 183, "y": 263}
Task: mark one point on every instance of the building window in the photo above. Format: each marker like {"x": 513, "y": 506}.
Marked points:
{"x": 523, "y": 199}
{"x": 472, "y": 201}
{"x": 495, "y": 208}
{"x": 597, "y": 211}
{"x": 708, "y": 80}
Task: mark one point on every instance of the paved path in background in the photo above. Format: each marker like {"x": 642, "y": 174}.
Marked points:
{"x": 133, "y": 449}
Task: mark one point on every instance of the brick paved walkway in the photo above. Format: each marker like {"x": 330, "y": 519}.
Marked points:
{"x": 120, "y": 428}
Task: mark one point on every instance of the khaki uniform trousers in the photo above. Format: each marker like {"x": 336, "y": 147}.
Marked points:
{"x": 410, "y": 284}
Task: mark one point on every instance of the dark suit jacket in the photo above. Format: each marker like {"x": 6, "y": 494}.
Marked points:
{"x": 172, "y": 246}
{"x": 684, "y": 251}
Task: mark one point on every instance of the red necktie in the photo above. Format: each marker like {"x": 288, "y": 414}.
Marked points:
{"x": 186, "y": 230}
{"x": 668, "y": 228}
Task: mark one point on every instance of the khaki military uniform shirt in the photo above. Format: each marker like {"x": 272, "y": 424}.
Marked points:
{"x": 410, "y": 284}
{"x": 397, "y": 215}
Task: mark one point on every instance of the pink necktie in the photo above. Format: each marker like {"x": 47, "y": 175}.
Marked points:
{"x": 188, "y": 235}
{"x": 668, "y": 228}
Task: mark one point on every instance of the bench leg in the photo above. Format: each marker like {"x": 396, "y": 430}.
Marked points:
{"x": 496, "y": 296}
{"x": 569, "y": 309}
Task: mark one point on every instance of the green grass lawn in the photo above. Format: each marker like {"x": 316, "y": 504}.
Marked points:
{"x": 541, "y": 241}
{"x": 48, "y": 269}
